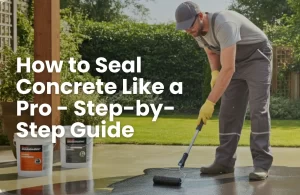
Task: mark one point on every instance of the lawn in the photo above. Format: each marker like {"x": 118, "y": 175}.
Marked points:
{"x": 179, "y": 130}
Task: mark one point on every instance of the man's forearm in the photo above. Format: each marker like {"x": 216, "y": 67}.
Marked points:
{"x": 222, "y": 83}
{"x": 214, "y": 60}
{"x": 225, "y": 75}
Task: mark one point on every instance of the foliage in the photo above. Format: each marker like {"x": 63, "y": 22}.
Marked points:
{"x": 285, "y": 32}
{"x": 68, "y": 117}
{"x": 295, "y": 39}
{"x": 295, "y": 5}
{"x": 282, "y": 108}
{"x": 4, "y": 140}
{"x": 280, "y": 32}
{"x": 166, "y": 56}
{"x": 105, "y": 10}
{"x": 71, "y": 34}
{"x": 30, "y": 10}
{"x": 130, "y": 99}
{"x": 9, "y": 75}
{"x": 25, "y": 32}
{"x": 260, "y": 12}
{"x": 71, "y": 39}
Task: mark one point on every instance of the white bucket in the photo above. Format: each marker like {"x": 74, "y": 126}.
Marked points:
{"x": 34, "y": 155}
{"x": 76, "y": 152}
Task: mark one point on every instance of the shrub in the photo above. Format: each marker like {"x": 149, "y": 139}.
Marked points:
{"x": 167, "y": 56}
{"x": 68, "y": 117}
{"x": 25, "y": 31}
{"x": 9, "y": 76}
{"x": 282, "y": 108}
{"x": 130, "y": 99}
{"x": 3, "y": 138}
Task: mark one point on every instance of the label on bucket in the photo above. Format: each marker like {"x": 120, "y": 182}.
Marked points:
{"x": 76, "y": 150}
{"x": 31, "y": 157}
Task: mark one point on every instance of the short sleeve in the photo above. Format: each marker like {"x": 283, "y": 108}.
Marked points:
{"x": 228, "y": 34}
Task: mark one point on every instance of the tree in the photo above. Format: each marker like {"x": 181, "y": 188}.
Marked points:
{"x": 259, "y": 11}
{"x": 295, "y": 5}
{"x": 285, "y": 32}
{"x": 106, "y": 10}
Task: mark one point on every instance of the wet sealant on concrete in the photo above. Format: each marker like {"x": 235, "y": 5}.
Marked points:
{"x": 281, "y": 181}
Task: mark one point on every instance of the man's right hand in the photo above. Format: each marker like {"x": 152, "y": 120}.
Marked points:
{"x": 206, "y": 112}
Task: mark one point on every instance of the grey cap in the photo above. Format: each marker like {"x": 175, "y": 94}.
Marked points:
{"x": 185, "y": 15}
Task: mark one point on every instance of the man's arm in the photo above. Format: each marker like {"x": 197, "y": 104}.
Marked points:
{"x": 226, "y": 73}
{"x": 228, "y": 36}
{"x": 214, "y": 60}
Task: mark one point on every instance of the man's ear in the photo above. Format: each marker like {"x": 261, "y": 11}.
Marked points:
{"x": 200, "y": 15}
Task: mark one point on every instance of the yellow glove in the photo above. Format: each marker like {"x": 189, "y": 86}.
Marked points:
{"x": 206, "y": 112}
{"x": 214, "y": 76}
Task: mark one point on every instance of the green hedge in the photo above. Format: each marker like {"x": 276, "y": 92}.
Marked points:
{"x": 167, "y": 56}
{"x": 282, "y": 108}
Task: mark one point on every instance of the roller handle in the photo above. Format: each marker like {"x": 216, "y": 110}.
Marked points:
{"x": 186, "y": 154}
{"x": 199, "y": 127}
{"x": 183, "y": 159}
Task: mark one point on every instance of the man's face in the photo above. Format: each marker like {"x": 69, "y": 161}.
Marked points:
{"x": 196, "y": 28}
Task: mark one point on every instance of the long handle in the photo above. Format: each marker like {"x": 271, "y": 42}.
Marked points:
{"x": 186, "y": 154}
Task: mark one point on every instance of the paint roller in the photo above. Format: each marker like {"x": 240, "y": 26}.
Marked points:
{"x": 177, "y": 181}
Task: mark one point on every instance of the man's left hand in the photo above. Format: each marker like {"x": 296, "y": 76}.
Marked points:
{"x": 206, "y": 112}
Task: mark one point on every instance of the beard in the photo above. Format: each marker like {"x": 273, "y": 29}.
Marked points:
{"x": 199, "y": 31}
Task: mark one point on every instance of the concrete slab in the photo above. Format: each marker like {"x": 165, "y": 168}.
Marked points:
{"x": 113, "y": 164}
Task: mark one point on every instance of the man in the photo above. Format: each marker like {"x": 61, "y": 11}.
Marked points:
{"x": 239, "y": 55}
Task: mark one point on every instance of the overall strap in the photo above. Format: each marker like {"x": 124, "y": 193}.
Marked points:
{"x": 213, "y": 26}
{"x": 204, "y": 41}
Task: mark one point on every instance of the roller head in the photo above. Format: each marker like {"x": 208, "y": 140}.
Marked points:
{"x": 167, "y": 181}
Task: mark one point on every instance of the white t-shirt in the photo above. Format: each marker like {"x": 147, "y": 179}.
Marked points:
{"x": 232, "y": 28}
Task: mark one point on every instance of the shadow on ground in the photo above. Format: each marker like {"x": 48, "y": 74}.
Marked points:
{"x": 8, "y": 164}
{"x": 282, "y": 181}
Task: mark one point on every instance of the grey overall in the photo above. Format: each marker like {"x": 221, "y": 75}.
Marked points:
{"x": 250, "y": 84}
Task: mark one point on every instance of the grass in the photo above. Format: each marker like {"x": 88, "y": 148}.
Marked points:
{"x": 179, "y": 130}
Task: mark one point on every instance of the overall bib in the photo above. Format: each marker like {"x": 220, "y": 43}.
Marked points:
{"x": 251, "y": 84}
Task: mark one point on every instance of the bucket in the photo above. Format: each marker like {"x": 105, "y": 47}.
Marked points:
{"x": 34, "y": 155}
{"x": 76, "y": 152}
